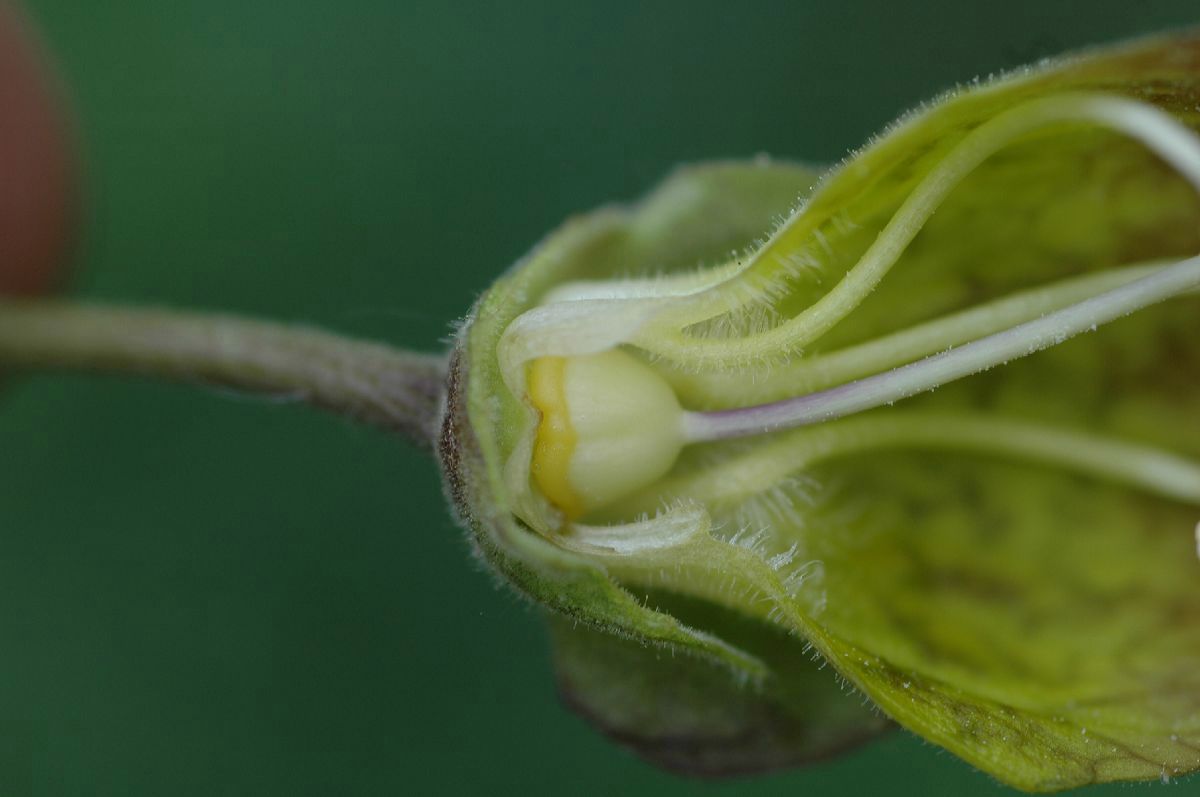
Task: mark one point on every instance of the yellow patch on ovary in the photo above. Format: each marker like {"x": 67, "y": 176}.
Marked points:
{"x": 610, "y": 426}
{"x": 555, "y": 442}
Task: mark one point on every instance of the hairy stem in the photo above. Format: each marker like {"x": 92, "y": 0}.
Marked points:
{"x": 369, "y": 382}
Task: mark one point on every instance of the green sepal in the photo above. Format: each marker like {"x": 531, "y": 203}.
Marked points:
{"x": 700, "y": 213}
{"x": 680, "y": 712}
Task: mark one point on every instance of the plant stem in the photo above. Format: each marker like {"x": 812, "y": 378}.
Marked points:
{"x": 369, "y": 382}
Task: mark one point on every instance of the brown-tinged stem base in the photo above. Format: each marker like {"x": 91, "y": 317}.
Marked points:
{"x": 369, "y": 382}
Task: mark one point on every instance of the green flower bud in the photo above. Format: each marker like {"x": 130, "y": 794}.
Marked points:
{"x": 932, "y": 422}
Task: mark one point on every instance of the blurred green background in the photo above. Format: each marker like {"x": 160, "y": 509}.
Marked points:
{"x": 208, "y": 594}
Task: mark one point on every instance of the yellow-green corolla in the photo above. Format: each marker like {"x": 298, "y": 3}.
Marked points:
{"x": 936, "y": 425}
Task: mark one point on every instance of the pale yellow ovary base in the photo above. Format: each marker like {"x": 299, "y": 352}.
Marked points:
{"x": 609, "y": 427}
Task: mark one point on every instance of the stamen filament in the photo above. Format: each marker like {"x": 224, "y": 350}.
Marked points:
{"x": 808, "y": 374}
{"x": 931, "y": 372}
{"x": 1158, "y": 131}
{"x": 739, "y": 478}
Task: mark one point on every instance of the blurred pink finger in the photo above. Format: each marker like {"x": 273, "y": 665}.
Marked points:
{"x": 37, "y": 191}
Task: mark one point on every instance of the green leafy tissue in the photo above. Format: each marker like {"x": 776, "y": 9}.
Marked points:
{"x": 771, "y": 435}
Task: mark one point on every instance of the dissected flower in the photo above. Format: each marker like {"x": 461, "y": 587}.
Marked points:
{"x": 936, "y": 426}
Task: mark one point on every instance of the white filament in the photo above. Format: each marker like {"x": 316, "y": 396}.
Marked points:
{"x": 1172, "y": 141}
